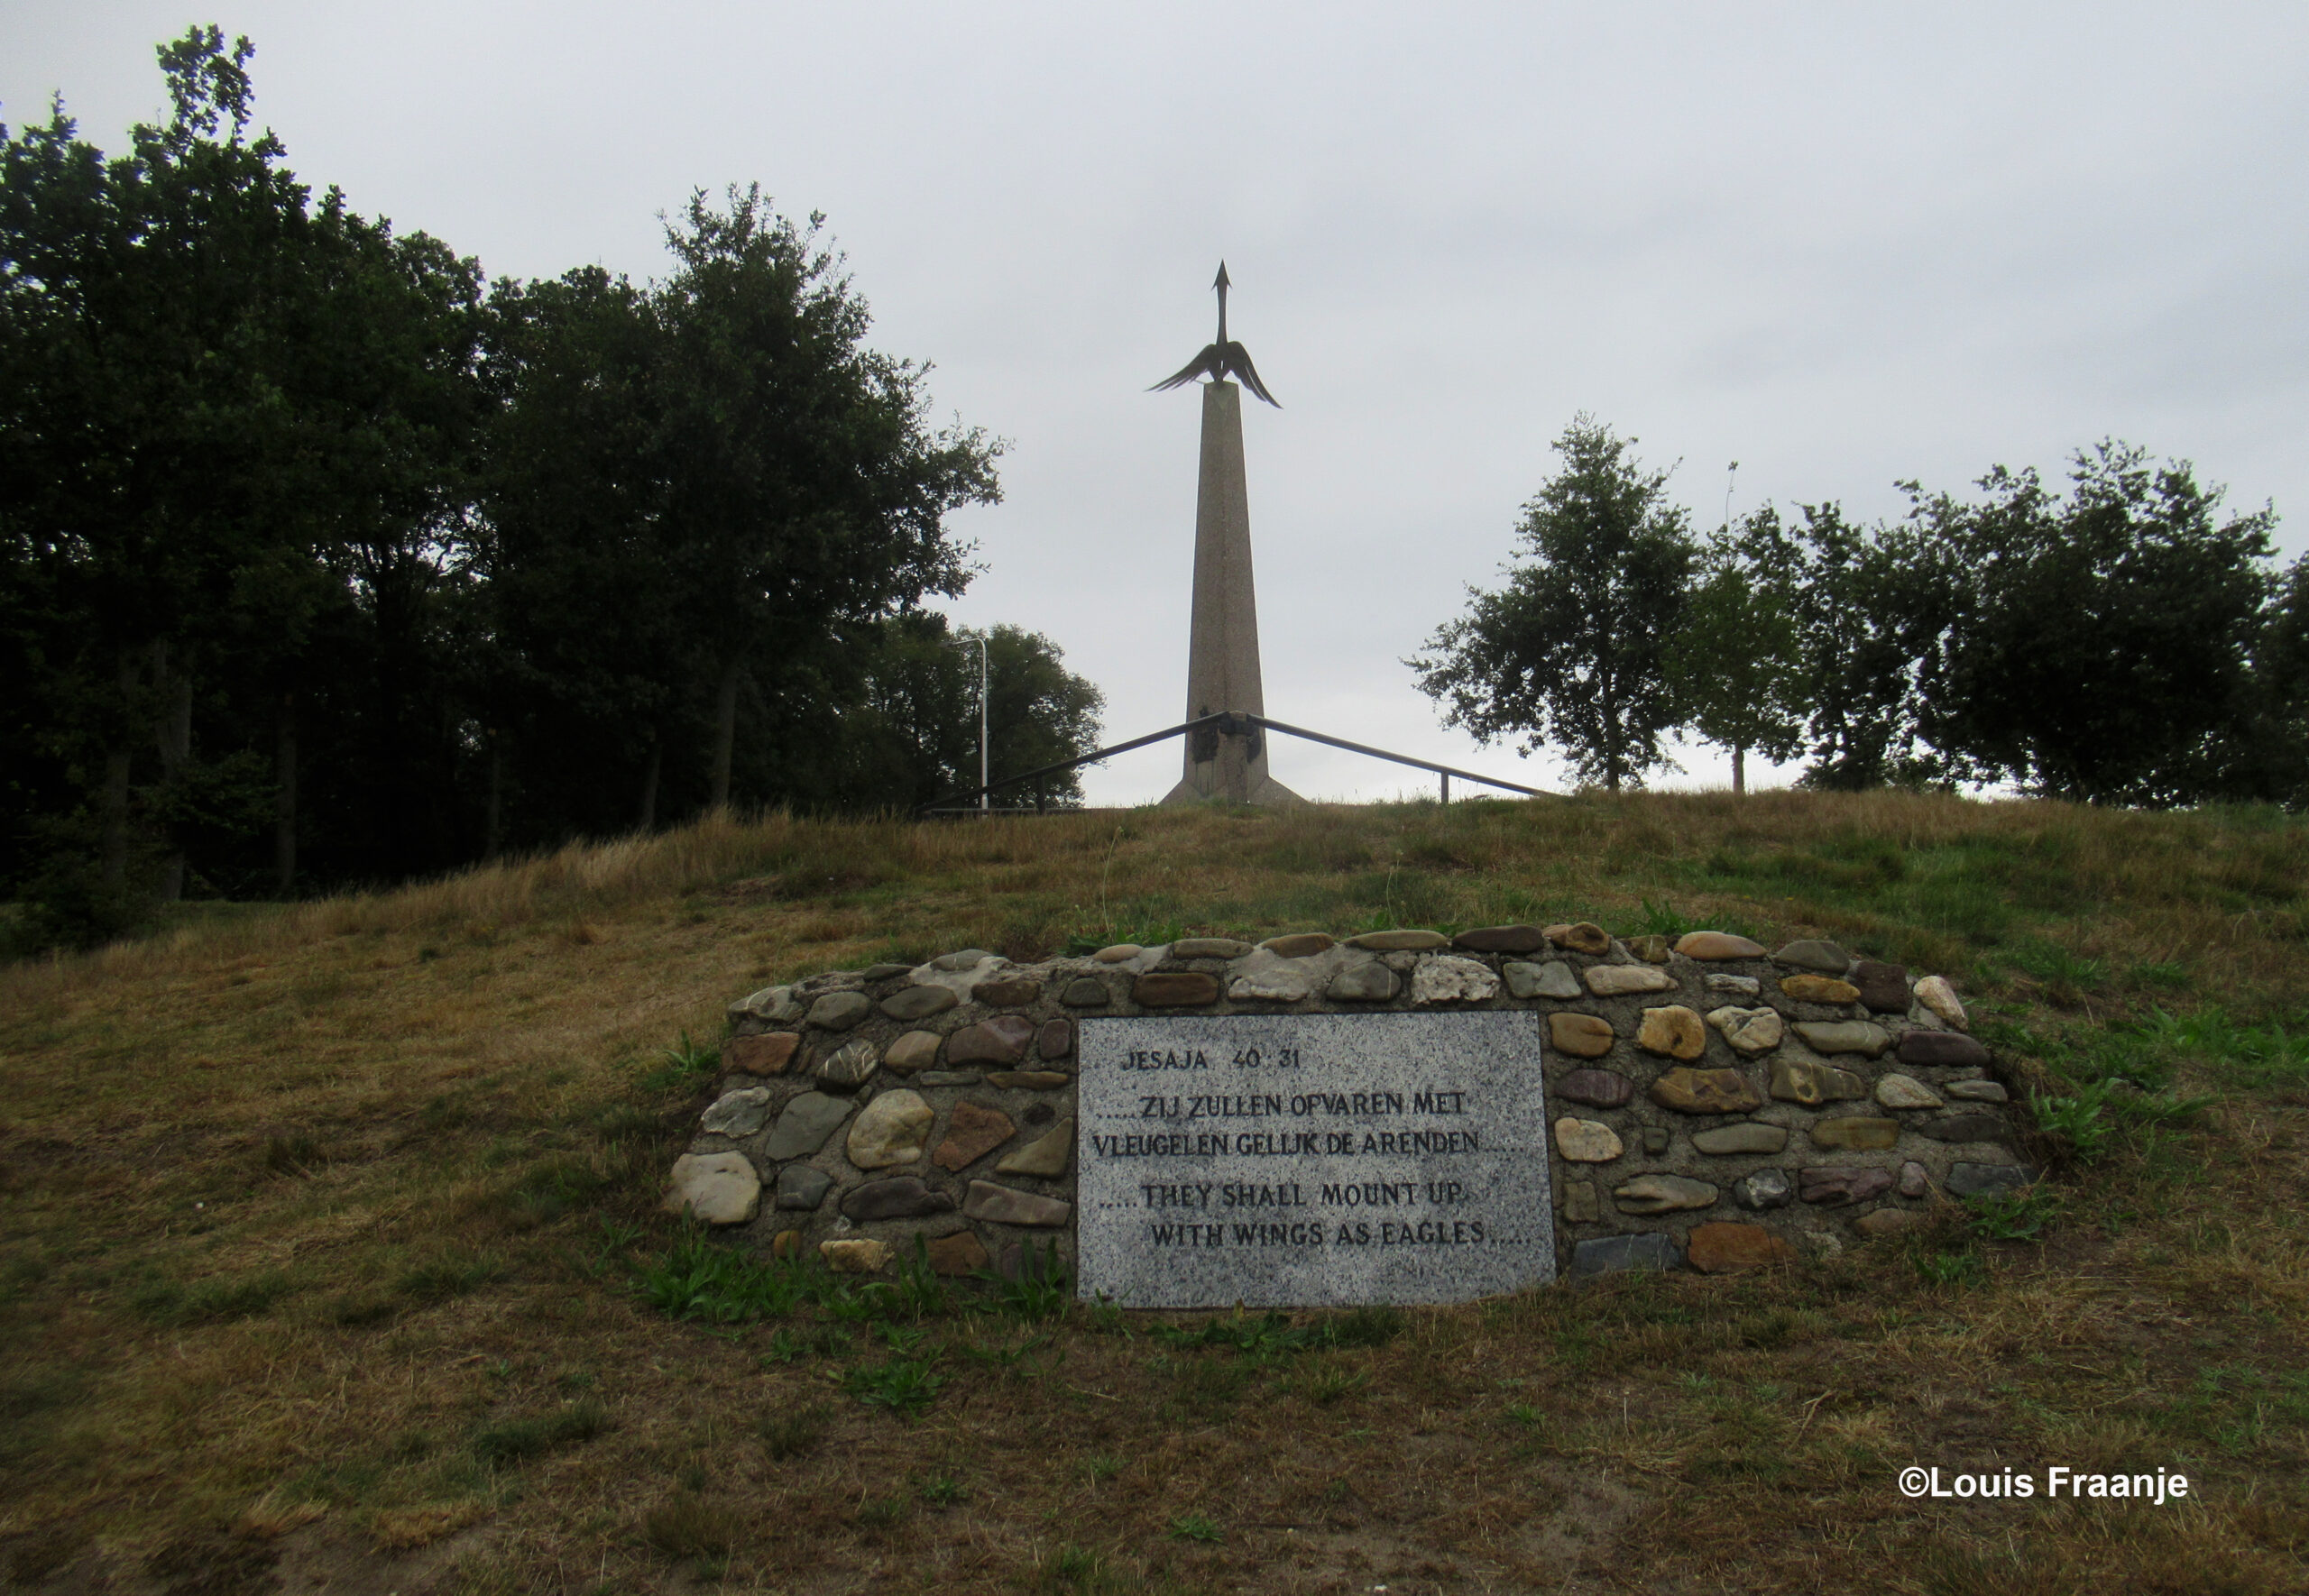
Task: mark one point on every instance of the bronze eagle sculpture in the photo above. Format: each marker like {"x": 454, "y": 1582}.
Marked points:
{"x": 1221, "y": 360}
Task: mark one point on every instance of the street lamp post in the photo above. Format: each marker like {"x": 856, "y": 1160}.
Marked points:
{"x": 985, "y": 798}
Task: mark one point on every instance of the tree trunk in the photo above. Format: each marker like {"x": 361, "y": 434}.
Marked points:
{"x": 649, "y": 787}
{"x": 1739, "y": 770}
{"x": 172, "y": 736}
{"x": 115, "y": 798}
{"x": 284, "y": 797}
{"x": 496, "y": 797}
{"x": 725, "y": 731}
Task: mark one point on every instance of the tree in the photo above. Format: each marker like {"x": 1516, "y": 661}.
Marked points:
{"x": 1736, "y": 661}
{"x": 1573, "y": 651}
{"x": 588, "y": 647}
{"x": 914, "y": 735}
{"x": 804, "y": 488}
{"x": 1872, "y": 607}
{"x": 2102, "y": 646}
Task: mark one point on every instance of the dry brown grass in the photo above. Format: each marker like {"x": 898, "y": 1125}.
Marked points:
{"x": 304, "y": 1213}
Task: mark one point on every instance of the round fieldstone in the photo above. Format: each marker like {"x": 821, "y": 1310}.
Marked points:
{"x": 1271, "y": 980}
{"x": 1752, "y": 1137}
{"x": 1586, "y": 1141}
{"x": 847, "y": 1067}
{"x": 1003, "y": 1039}
{"x": 1043, "y": 1157}
{"x": 1613, "y": 1254}
{"x": 1883, "y": 987}
{"x": 1971, "y": 1179}
{"x": 1084, "y": 992}
{"x": 1672, "y": 1033}
{"x": 1598, "y": 1088}
{"x": 1886, "y": 1222}
{"x": 1054, "y": 1039}
{"x": 1028, "y": 1080}
{"x": 1299, "y": 945}
{"x": 891, "y": 1130}
{"x": 1811, "y": 1083}
{"x": 1662, "y": 1194}
{"x": 1967, "y": 1127}
{"x": 999, "y": 1204}
{"x": 1916, "y": 1181}
{"x": 1819, "y": 989}
{"x": 762, "y": 1055}
{"x": 855, "y": 1256}
{"x": 1441, "y": 978}
{"x": 1209, "y": 948}
{"x": 1400, "y": 942}
{"x": 1175, "y": 989}
{"x": 1939, "y": 999}
{"x": 1619, "y": 980}
{"x": 1656, "y": 1139}
{"x": 1977, "y": 1091}
{"x": 774, "y": 1005}
{"x": 886, "y": 972}
{"x": 1552, "y": 979}
{"x": 1120, "y": 953}
{"x": 1864, "y": 1037}
{"x": 1905, "y": 1091}
{"x": 1722, "y": 1247}
{"x": 1717, "y": 945}
{"x": 1583, "y": 1036}
{"x": 1580, "y": 1204}
{"x": 718, "y": 1188}
{"x": 961, "y": 1253}
{"x": 1765, "y": 1189}
{"x": 1368, "y": 982}
{"x": 839, "y": 1011}
{"x": 902, "y": 1197}
{"x": 805, "y": 1125}
{"x": 1813, "y": 954}
{"x": 1584, "y": 937}
{"x": 918, "y": 1003}
{"x": 1012, "y": 994}
{"x": 963, "y": 958}
{"x": 1502, "y": 939}
{"x": 802, "y": 1186}
{"x": 972, "y": 1131}
{"x": 1941, "y": 1049}
{"x": 1750, "y": 1031}
{"x": 1653, "y": 950}
{"x": 1705, "y": 1091}
{"x": 1855, "y": 1133}
{"x": 740, "y": 1113}
{"x": 1835, "y": 1187}
{"x": 917, "y": 1049}
{"x": 1734, "y": 985}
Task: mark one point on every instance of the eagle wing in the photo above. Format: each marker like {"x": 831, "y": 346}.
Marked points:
{"x": 1239, "y": 361}
{"x": 1212, "y": 362}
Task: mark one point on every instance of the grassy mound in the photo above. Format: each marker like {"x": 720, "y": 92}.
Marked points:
{"x": 328, "y": 1237}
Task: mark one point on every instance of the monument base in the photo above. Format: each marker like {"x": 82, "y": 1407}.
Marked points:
{"x": 1269, "y": 792}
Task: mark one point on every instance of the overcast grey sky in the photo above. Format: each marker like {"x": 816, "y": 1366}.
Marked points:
{"x": 1842, "y": 244}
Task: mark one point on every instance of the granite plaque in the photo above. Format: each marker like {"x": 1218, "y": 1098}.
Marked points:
{"x": 1300, "y": 1161}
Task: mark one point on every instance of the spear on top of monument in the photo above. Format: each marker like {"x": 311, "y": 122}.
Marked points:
{"x": 1220, "y": 360}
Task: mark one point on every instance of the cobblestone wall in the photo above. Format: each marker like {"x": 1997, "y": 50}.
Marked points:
{"x": 1714, "y": 1104}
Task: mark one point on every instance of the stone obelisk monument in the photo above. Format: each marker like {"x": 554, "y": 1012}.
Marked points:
{"x": 1223, "y": 637}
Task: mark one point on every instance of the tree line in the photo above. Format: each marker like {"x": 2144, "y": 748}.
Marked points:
{"x": 2120, "y": 640}
{"x": 325, "y": 558}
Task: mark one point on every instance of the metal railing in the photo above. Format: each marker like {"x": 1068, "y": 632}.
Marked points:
{"x": 1226, "y": 723}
